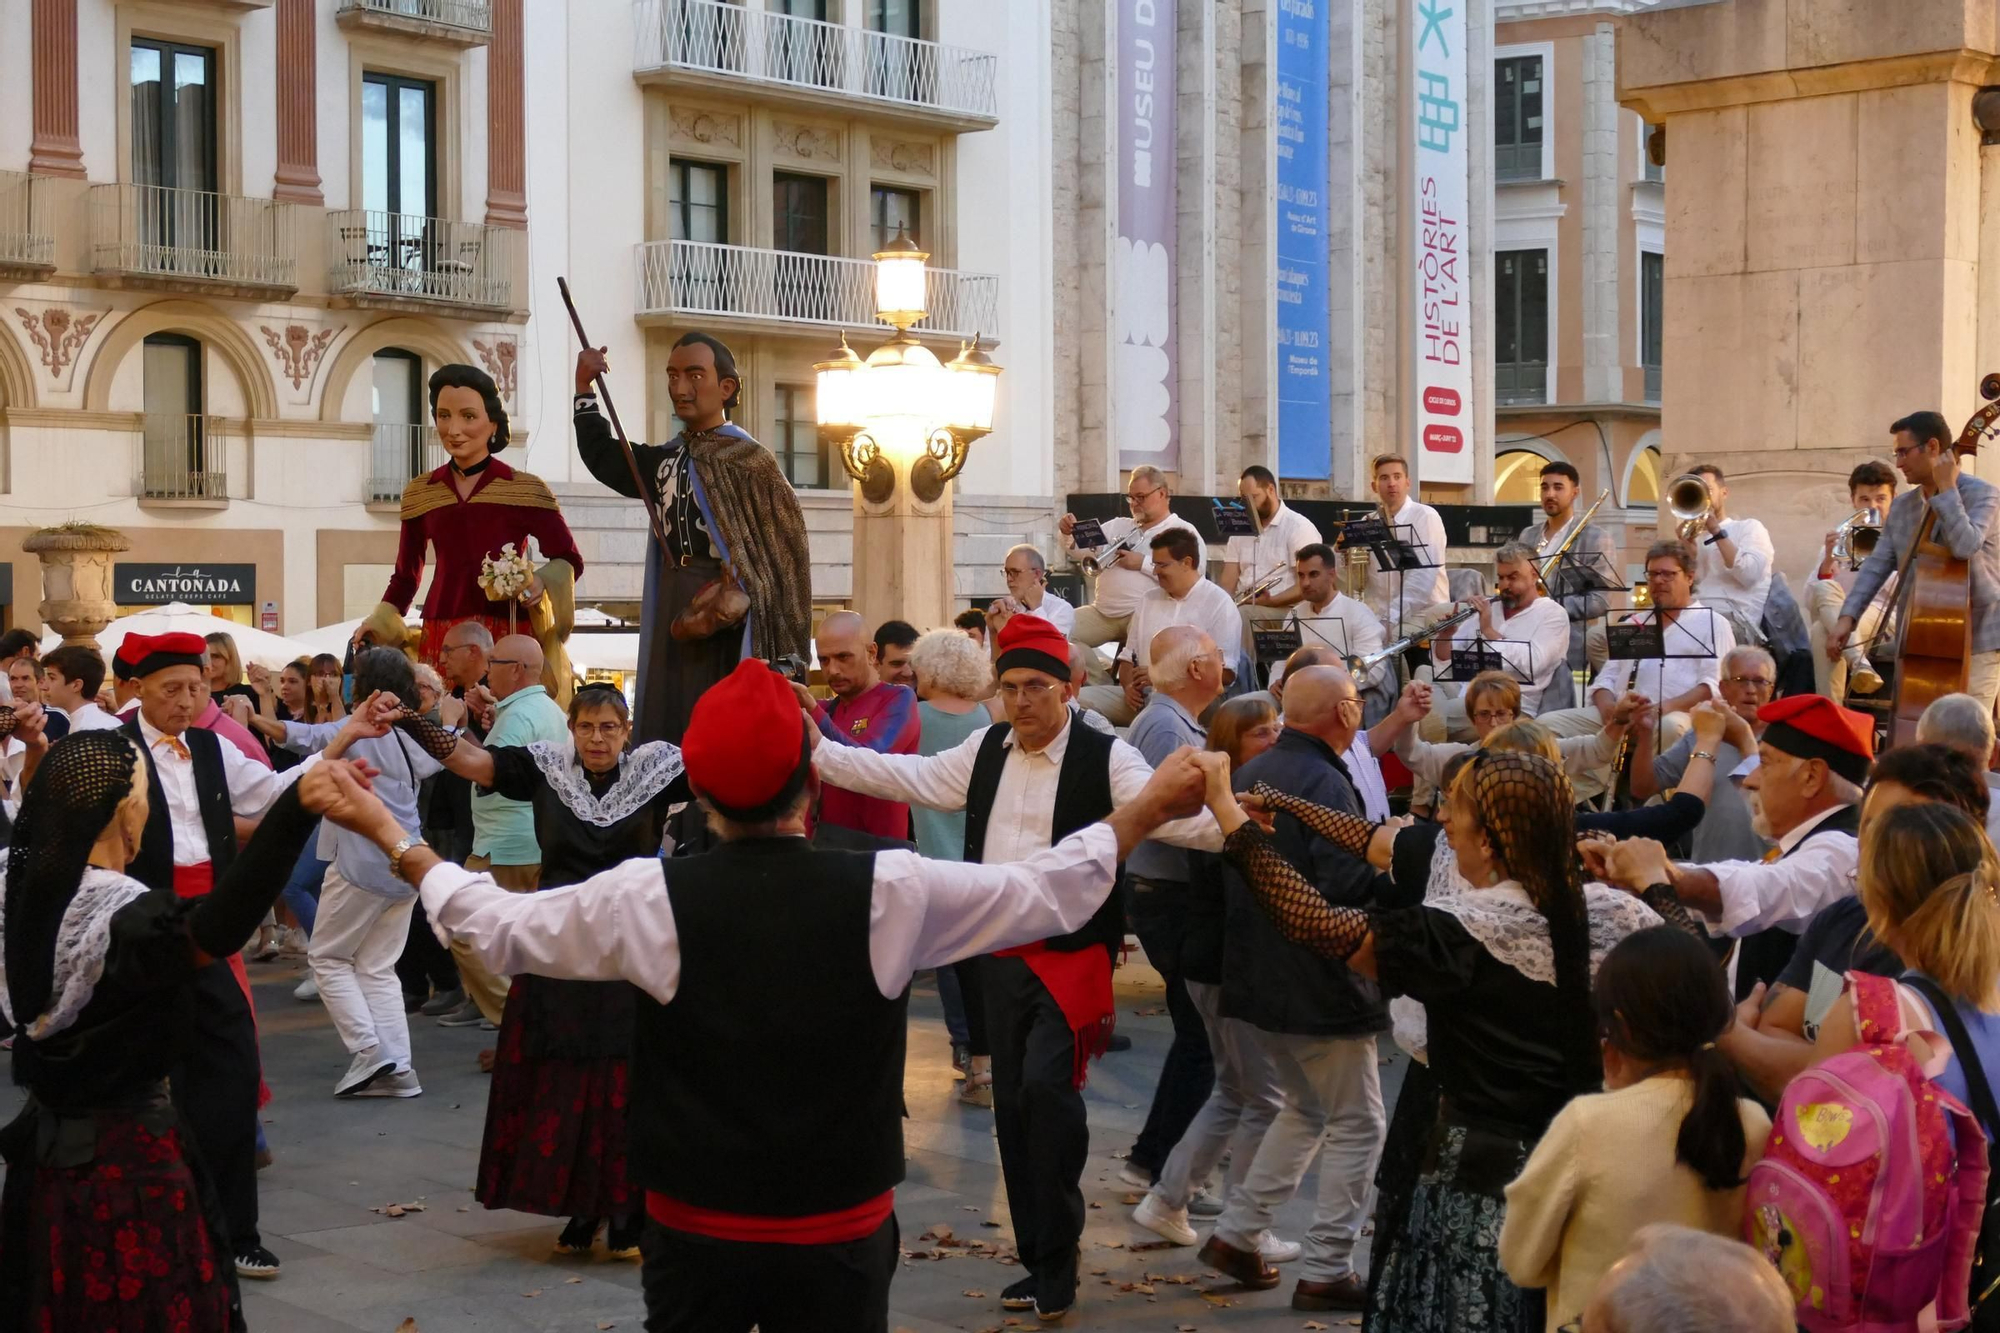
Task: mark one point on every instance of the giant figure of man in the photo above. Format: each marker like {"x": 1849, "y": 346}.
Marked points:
{"x": 730, "y": 519}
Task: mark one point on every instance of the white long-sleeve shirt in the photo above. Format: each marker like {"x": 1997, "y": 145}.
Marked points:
{"x": 1788, "y": 892}
{"x": 1119, "y": 589}
{"x": 1744, "y": 587}
{"x": 1533, "y": 642}
{"x": 923, "y": 913}
{"x": 1274, "y": 550}
{"x": 252, "y": 788}
{"x": 1697, "y": 640}
{"x": 1344, "y": 625}
{"x": 1022, "y": 821}
{"x": 1423, "y": 528}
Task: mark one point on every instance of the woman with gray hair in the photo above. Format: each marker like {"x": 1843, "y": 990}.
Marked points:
{"x": 953, "y": 676}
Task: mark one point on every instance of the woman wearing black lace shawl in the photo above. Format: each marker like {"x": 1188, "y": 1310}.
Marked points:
{"x": 555, "y": 1119}
{"x": 1504, "y": 970}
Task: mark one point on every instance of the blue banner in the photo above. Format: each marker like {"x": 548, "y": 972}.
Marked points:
{"x": 1305, "y": 385}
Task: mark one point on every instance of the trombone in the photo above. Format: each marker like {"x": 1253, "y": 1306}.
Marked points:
{"x": 1855, "y": 540}
{"x": 1260, "y": 587}
{"x": 1688, "y": 501}
{"x": 1576, "y": 530}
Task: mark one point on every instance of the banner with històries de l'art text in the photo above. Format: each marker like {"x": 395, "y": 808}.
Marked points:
{"x": 1441, "y": 259}
{"x": 1142, "y": 295}
{"x": 1298, "y": 119}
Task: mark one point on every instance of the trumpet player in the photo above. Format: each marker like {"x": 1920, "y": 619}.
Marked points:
{"x": 1592, "y": 549}
{"x": 1263, "y": 564}
{"x": 1870, "y": 488}
{"x": 1733, "y": 561}
{"x": 1125, "y": 577}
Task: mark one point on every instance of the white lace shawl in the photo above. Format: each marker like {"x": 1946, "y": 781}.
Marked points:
{"x": 82, "y": 940}
{"x": 1507, "y": 924}
{"x": 642, "y": 775}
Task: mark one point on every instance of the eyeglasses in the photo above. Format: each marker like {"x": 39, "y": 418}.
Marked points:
{"x": 1355, "y": 700}
{"x": 503, "y": 661}
{"x": 1750, "y": 682}
{"x": 1493, "y": 715}
{"x": 458, "y": 647}
{"x": 1662, "y": 575}
{"x": 605, "y": 729}
{"x": 1034, "y": 691}
{"x": 1140, "y": 497}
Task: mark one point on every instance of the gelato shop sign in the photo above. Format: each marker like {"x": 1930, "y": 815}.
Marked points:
{"x": 156, "y": 585}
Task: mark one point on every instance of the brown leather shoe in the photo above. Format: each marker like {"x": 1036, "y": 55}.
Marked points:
{"x": 486, "y": 1059}
{"x": 1246, "y": 1266}
{"x": 1350, "y": 1293}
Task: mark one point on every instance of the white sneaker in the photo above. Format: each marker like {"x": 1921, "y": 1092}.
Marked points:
{"x": 1276, "y": 1251}
{"x": 401, "y": 1084}
{"x": 1167, "y": 1223}
{"x": 1134, "y": 1177}
{"x": 307, "y": 989}
{"x": 367, "y": 1067}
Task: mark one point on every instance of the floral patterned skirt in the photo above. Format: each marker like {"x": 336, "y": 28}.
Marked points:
{"x": 555, "y": 1126}
{"x": 1440, "y": 1271}
{"x": 115, "y": 1245}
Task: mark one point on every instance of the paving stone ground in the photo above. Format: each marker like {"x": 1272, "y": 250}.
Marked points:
{"x": 458, "y": 1268}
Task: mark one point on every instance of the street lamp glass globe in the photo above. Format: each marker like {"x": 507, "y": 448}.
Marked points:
{"x": 972, "y": 383}
{"x": 900, "y": 285}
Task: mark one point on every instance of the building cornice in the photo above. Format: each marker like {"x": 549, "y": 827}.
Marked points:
{"x": 1515, "y": 11}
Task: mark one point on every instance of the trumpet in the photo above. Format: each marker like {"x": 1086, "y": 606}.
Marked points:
{"x": 1260, "y": 587}
{"x": 1854, "y": 541}
{"x": 1688, "y": 501}
{"x": 1104, "y": 559}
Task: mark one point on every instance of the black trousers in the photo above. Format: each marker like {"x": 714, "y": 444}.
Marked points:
{"x": 425, "y": 965}
{"x": 1158, "y": 910}
{"x": 215, "y": 1090}
{"x": 697, "y": 1284}
{"x": 1038, "y": 1115}
{"x": 972, "y": 994}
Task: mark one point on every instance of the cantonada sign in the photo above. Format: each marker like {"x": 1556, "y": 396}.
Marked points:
{"x": 156, "y": 585}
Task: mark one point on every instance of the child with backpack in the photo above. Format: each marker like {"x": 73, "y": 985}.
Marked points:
{"x": 1874, "y": 1186}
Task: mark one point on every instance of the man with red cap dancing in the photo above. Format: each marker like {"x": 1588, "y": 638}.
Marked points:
{"x": 767, "y": 1063}
{"x": 200, "y": 786}
{"x": 1024, "y": 784}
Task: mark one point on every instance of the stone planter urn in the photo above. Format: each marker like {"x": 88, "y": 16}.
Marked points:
{"x": 77, "y": 598}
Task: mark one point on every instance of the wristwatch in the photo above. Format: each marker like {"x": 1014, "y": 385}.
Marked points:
{"x": 1717, "y": 536}
{"x": 397, "y": 853}
{"x": 1703, "y": 754}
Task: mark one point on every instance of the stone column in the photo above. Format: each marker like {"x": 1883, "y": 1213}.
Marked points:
{"x": 903, "y": 566}
{"x": 56, "y": 149}
{"x": 77, "y": 599}
{"x": 1603, "y": 362}
{"x": 506, "y": 120}
{"x": 298, "y": 104}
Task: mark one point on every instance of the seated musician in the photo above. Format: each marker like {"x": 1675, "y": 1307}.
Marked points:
{"x": 1591, "y": 552}
{"x": 1530, "y": 634}
{"x": 1695, "y": 641}
{"x": 1183, "y": 597}
{"x": 1127, "y": 575}
{"x": 1733, "y": 562}
{"x": 1870, "y": 486}
{"x": 1265, "y": 562}
{"x": 1968, "y": 525}
{"x": 1326, "y": 617}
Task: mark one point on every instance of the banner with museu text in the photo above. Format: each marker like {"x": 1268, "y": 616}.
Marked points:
{"x": 1142, "y": 296}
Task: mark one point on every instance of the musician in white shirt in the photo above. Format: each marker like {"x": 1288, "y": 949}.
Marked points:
{"x": 1399, "y": 595}
{"x": 1325, "y": 616}
{"x": 1733, "y": 562}
{"x": 1184, "y": 597}
{"x": 1027, "y": 576}
{"x": 1696, "y": 642}
{"x": 1870, "y": 486}
{"x": 1128, "y": 575}
{"x": 1282, "y": 532}
{"x": 1533, "y": 628}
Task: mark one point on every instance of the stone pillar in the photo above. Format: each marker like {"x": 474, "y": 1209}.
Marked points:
{"x": 903, "y": 565}
{"x": 77, "y": 599}
{"x": 56, "y": 149}
{"x": 1603, "y": 362}
{"x": 506, "y": 120}
{"x": 1824, "y": 229}
{"x": 298, "y": 104}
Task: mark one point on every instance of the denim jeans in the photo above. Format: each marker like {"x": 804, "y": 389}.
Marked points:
{"x": 952, "y": 997}
{"x": 301, "y": 892}
{"x": 1159, "y": 918}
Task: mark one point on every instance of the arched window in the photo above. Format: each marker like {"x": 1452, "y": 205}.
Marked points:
{"x": 1642, "y": 478}
{"x": 1517, "y": 477}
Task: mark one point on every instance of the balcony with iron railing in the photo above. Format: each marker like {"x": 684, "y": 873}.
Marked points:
{"x": 401, "y": 260}
{"x": 1518, "y": 382}
{"x": 455, "y": 22}
{"x": 157, "y": 236}
{"x": 778, "y": 290}
{"x": 719, "y": 46}
{"x": 183, "y": 459}
{"x": 1653, "y": 382}
{"x": 26, "y": 243}
{"x": 398, "y": 453}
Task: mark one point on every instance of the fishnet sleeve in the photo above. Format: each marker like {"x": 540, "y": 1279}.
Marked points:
{"x": 1662, "y": 899}
{"x": 6, "y": 720}
{"x": 1348, "y": 832}
{"x": 436, "y": 741}
{"x": 1301, "y": 914}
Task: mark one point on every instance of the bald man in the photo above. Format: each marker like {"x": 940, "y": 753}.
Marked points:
{"x": 1679, "y": 1280}
{"x": 503, "y": 831}
{"x": 867, "y": 711}
{"x": 1314, "y": 1020}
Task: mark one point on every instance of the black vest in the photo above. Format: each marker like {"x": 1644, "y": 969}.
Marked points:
{"x": 772, "y": 1084}
{"x": 154, "y": 866}
{"x": 1763, "y": 956}
{"x": 1083, "y": 797}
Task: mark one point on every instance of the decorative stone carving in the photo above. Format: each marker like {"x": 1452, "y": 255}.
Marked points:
{"x": 298, "y": 350}
{"x": 77, "y": 599}
{"x": 499, "y": 357}
{"x": 59, "y": 334}
{"x": 806, "y": 141}
{"x": 702, "y": 127}
{"x": 916, "y": 158}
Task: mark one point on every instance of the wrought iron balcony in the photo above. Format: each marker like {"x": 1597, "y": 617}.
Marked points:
{"x": 152, "y": 232}
{"x": 459, "y": 22}
{"x": 781, "y": 289}
{"x": 397, "y": 257}
{"x": 397, "y": 454}
{"x": 719, "y": 45}
{"x": 1516, "y": 382}
{"x": 182, "y": 458}
{"x": 25, "y": 239}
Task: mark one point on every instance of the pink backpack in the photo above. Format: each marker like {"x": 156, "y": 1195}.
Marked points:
{"x": 1869, "y": 1196}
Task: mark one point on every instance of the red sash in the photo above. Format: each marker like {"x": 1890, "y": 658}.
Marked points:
{"x": 198, "y": 881}
{"x": 1081, "y": 985}
{"x": 848, "y": 1224}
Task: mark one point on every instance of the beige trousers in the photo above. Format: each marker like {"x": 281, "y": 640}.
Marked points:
{"x": 486, "y": 988}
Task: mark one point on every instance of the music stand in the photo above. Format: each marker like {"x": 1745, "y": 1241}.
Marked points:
{"x": 1479, "y": 655}
{"x": 1648, "y": 643}
{"x": 1578, "y": 573}
{"x": 1088, "y": 534}
{"x": 1234, "y": 519}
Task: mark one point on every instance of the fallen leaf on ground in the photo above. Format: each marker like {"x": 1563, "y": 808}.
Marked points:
{"x": 1314, "y": 1323}
{"x": 989, "y": 1223}
{"x": 969, "y": 1208}
{"x": 408, "y": 1326}
{"x": 603, "y": 1326}
{"x": 527, "y": 1294}
{"x": 974, "y": 1293}
{"x": 571, "y": 1281}
{"x": 1149, "y": 1013}
{"x": 1129, "y": 1198}
{"x": 1095, "y": 1204}
{"x": 1114, "y": 1244}
{"x": 1145, "y": 1245}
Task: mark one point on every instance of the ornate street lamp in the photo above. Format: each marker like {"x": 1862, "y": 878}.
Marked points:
{"x": 902, "y": 404}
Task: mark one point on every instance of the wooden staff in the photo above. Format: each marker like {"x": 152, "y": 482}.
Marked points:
{"x": 653, "y": 518}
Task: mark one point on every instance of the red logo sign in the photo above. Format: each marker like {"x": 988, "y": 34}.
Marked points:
{"x": 1443, "y": 439}
{"x": 1443, "y": 401}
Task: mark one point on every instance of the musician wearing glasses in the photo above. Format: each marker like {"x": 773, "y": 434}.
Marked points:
{"x": 1968, "y": 524}
{"x": 1695, "y": 645}
{"x": 1028, "y": 591}
{"x": 1258, "y": 570}
{"x": 1536, "y": 626}
{"x": 1183, "y": 597}
{"x": 1733, "y": 561}
{"x": 1124, "y": 562}
{"x": 1871, "y": 489}
{"x": 1590, "y": 551}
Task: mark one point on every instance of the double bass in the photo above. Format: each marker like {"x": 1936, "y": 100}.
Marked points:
{"x": 1934, "y": 602}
